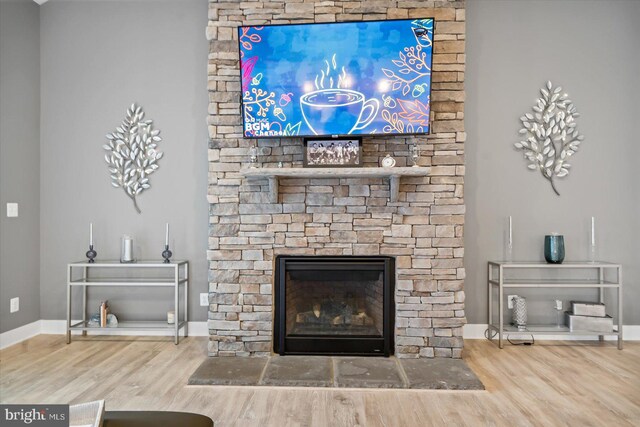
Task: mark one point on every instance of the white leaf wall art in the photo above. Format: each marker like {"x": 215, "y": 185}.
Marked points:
{"x": 549, "y": 135}
{"x": 132, "y": 153}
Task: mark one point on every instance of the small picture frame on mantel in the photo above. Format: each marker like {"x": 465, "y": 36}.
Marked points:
{"x": 343, "y": 152}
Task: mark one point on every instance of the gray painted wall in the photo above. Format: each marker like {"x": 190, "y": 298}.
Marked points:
{"x": 97, "y": 58}
{"x": 19, "y": 161}
{"x": 591, "y": 49}
{"x": 90, "y": 74}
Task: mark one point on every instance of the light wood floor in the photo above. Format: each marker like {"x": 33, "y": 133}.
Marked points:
{"x": 552, "y": 383}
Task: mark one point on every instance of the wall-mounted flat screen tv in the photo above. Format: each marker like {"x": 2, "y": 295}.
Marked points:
{"x": 336, "y": 79}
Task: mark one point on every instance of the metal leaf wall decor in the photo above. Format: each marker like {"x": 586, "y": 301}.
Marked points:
{"x": 132, "y": 155}
{"x": 549, "y": 134}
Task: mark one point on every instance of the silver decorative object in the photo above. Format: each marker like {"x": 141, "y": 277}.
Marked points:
{"x": 126, "y": 253}
{"x": 557, "y": 304}
{"x": 519, "y": 312}
{"x": 415, "y": 155}
{"x": 549, "y": 134}
{"x": 388, "y": 161}
{"x": 253, "y": 157}
{"x": 167, "y": 254}
{"x": 583, "y": 308}
{"x": 91, "y": 253}
{"x": 131, "y": 153}
{"x": 592, "y": 241}
{"x": 588, "y": 323}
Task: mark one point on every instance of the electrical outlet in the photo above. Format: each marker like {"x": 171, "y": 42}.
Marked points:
{"x": 510, "y": 299}
{"x": 12, "y": 210}
{"x": 558, "y": 304}
{"x": 204, "y": 299}
{"x": 15, "y": 304}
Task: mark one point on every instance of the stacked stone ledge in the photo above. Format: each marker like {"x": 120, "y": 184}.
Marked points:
{"x": 339, "y": 216}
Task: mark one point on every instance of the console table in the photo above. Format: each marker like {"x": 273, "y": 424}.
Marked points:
{"x": 79, "y": 274}
{"x": 498, "y": 283}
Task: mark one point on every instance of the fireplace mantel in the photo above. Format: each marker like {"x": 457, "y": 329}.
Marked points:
{"x": 393, "y": 174}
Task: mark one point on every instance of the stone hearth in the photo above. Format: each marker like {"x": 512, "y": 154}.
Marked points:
{"x": 339, "y": 372}
{"x": 423, "y": 229}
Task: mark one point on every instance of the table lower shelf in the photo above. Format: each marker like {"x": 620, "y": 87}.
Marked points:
{"x": 138, "y": 325}
{"x": 549, "y": 330}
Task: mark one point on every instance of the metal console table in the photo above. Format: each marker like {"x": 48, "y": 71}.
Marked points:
{"x": 86, "y": 280}
{"x": 498, "y": 282}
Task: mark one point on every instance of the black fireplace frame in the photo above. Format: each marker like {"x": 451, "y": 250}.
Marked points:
{"x": 352, "y": 345}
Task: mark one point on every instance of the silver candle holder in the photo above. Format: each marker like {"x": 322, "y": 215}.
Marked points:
{"x": 166, "y": 254}
{"x": 592, "y": 241}
{"x": 91, "y": 253}
{"x": 509, "y": 241}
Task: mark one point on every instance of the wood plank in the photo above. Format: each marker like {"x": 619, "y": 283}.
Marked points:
{"x": 551, "y": 383}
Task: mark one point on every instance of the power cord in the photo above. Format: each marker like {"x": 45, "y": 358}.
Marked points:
{"x": 486, "y": 335}
{"x": 532, "y": 342}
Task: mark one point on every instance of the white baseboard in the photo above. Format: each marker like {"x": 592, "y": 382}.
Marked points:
{"x": 477, "y": 331}
{"x": 198, "y": 329}
{"x": 474, "y": 331}
{"x": 14, "y": 336}
{"x": 59, "y": 327}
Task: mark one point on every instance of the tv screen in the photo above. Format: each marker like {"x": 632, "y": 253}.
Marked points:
{"x": 351, "y": 78}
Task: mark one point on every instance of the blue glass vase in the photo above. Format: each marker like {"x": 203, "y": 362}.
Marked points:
{"x": 554, "y": 249}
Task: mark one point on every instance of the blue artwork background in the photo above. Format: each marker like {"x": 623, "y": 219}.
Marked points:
{"x": 380, "y": 72}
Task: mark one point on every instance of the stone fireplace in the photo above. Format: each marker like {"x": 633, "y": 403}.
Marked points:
{"x": 337, "y": 216}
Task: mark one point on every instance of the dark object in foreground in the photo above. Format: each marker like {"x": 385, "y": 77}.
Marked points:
{"x": 155, "y": 419}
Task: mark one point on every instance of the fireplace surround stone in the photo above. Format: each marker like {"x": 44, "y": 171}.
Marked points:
{"x": 423, "y": 229}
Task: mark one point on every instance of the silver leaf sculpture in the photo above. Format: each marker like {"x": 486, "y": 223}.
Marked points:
{"x": 549, "y": 136}
{"x": 132, "y": 153}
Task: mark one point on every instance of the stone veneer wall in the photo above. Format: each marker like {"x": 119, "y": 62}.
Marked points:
{"x": 423, "y": 230}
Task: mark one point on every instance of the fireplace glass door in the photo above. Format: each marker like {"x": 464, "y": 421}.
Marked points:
{"x": 334, "y": 305}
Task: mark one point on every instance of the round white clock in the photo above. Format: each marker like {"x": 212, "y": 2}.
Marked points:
{"x": 388, "y": 162}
